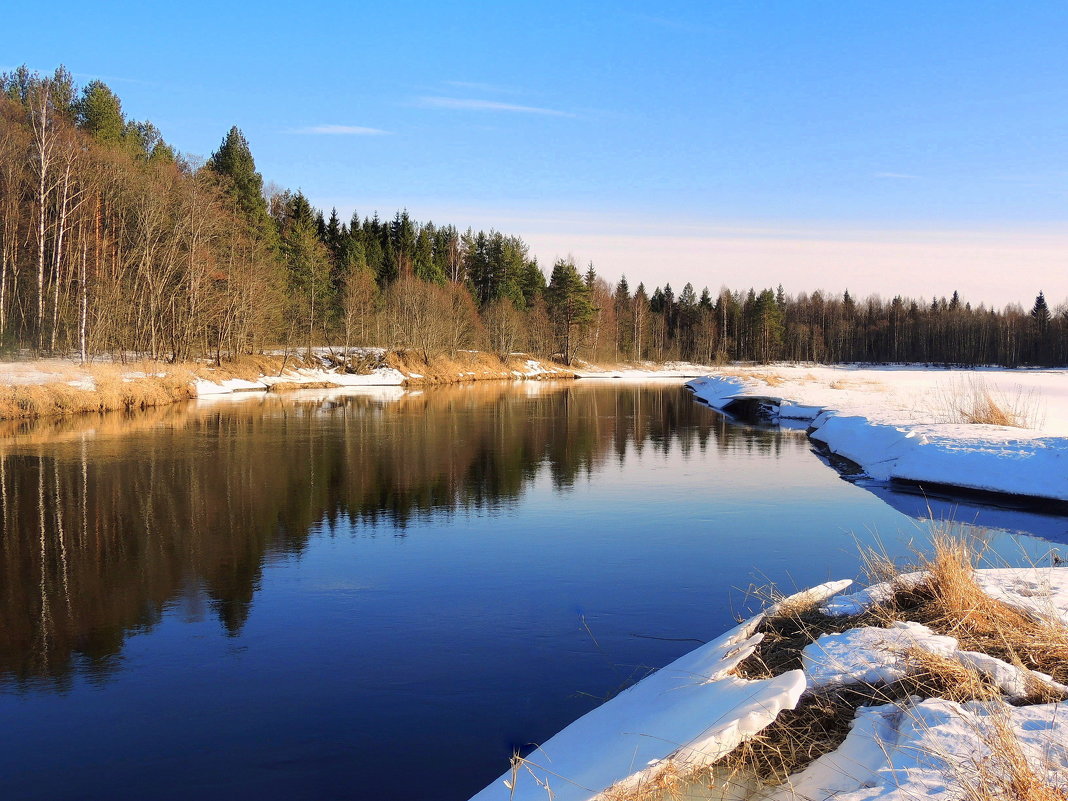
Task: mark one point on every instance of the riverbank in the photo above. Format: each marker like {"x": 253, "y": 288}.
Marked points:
{"x": 989, "y": 430}
{"x": 944, "y": 682}
{"x": 53, "y": 387}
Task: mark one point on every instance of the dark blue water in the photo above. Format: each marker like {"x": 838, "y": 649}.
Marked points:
{"x": 381, "y": 596}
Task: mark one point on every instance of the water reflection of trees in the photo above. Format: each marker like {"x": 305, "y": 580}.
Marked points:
{"x": 107, "y": 521}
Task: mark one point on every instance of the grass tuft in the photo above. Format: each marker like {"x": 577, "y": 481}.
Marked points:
{"x": 1006, "y": 772}
{"x": 975, "y": 401}
{"x": 950, "y": 601}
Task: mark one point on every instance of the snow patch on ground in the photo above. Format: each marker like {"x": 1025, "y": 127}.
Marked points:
{"x": 869, "y": 655}
{"x": 696, "y": 710}
{"x": 385, "y": 376}
{"x": 928, "y": 750}
{"x": 862, "y": 601}
{"x": 892, "y": 422}
{"x": 644, "y": 371}
{"x": 1041, "y": 592}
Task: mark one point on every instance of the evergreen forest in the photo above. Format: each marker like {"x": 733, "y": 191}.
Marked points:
{"x": 112, "y": 242}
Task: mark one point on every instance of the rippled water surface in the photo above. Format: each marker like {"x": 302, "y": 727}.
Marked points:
{"x": 381, "y": 595}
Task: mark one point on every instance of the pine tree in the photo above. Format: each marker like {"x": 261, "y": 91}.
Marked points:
{"x": 769, "y": 326}
{"x": 309, "y": 266}
{"x": 233, "y": 161}
{"x": 570, "y": 305}
{"x": 532, "y": 283}
{"x": 426, "y": 268}
{"x": 99, "y": 112}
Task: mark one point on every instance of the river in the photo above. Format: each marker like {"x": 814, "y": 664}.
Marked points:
{"x": 381, "y": 594}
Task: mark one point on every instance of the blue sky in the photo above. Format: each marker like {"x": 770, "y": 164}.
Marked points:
{"x": 884, "y": 146}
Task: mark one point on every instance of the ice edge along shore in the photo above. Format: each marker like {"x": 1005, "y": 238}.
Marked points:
{"x": 695, "y": 710}
{"x": 985, "y": 458}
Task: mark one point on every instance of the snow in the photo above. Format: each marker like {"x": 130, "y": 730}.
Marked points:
{"x": 865, "y": 599}
{"x": 821, "y": 593}
{"x": 692, "y": 711}
{"x": 41, "y": 371}
{"x": 899, "y": 423}
{"x": 204, "y": 387}
{"x": 1041, "y": 592}
{"x": 644, "y": 371}
{"x": 385, "y": 376}
{"x": 695, "y": 710}
{"x": 869, "y": 655}
{"x": 928, "y": 750}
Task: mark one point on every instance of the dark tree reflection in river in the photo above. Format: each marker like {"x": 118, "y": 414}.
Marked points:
{"x": 305, "y": 596}
{"x": 106, "y": 521}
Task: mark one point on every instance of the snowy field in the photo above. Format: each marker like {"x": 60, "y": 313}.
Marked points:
{"x": 918, "y": 424}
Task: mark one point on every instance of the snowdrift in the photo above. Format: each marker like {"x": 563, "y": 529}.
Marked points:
{"x": 986, "y": 458}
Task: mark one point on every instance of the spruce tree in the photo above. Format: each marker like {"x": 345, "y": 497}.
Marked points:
{"x": 1040, "y": 320}
{"x": 1040, "y": 312}
{"x": 532, "y": 283}
{"x": 570, "y": 305}
{"x": 233, "y": 161}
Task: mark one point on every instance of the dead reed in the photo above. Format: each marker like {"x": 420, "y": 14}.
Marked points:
{"x": 99, "y": 388}
{"x": 975, "y": 401}
{"x": 949, "y": 600}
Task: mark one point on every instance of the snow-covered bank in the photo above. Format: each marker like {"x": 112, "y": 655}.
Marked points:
{"x": 300, "y": 378}
{"x": 377, "y": 367}
{"x": 643, "y": 370}
{"x": 49, "y": 387}
{"x": 31, "y": 388}
{"x": 907, "y": 424}
{"x": 660, "y": 738}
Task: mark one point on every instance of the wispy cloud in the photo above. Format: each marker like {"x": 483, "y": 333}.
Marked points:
{"x": 900, "y": 175}
{"x": 471, "y": 104}
{"x": 339, "y": 130}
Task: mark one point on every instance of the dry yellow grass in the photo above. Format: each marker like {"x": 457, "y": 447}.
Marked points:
{"x": 769, "y": 378}
{"x": 463, "y": 366}
{"x": 146, "y": 384}
{"x": 292, "y": 386}
{"x": 975, "y": 401}
{"x": 1006, "y": 772}
{"x": 951, "y": 602}
{"x": 948, "y": 600}
{"x": 867, "y": 384}
{"x": 251, "y": 366}
{"x": 113, "y": 390}
{"x": 932, "y": 675}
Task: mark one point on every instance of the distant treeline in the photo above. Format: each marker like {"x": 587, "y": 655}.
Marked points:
{"x": 111, "y": 242}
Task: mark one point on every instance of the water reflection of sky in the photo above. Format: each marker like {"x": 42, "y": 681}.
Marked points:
{"x": 304, "y": 598}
